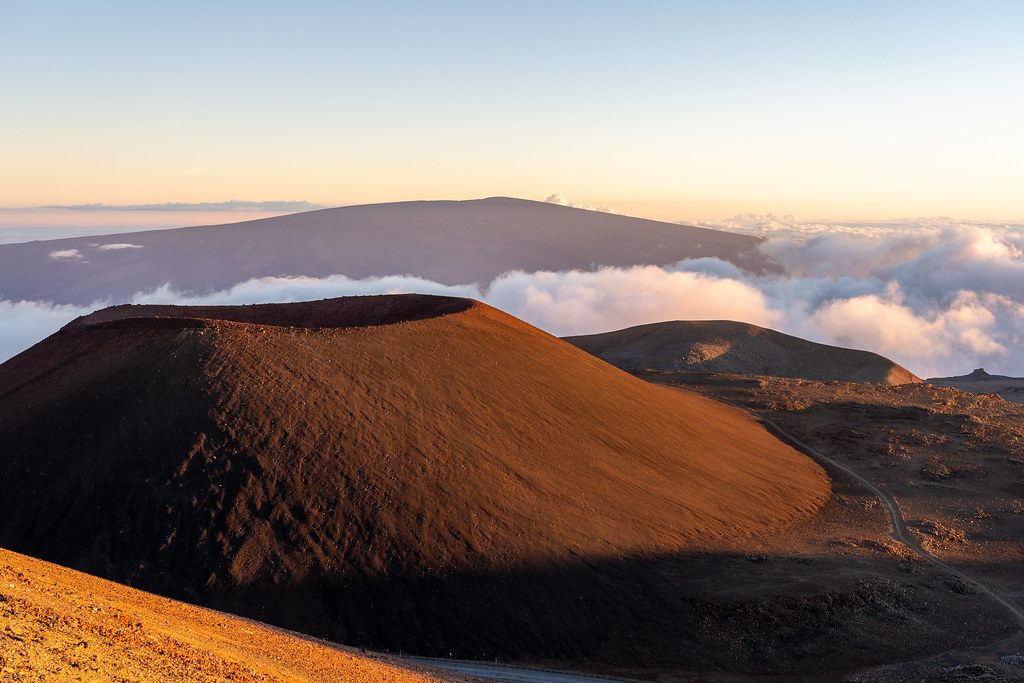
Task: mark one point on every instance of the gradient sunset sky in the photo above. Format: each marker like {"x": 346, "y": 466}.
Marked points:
{"x": 841, "y": 110}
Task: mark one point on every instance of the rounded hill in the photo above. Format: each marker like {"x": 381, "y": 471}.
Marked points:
{"x": 737, "y": 348}
{"x": 376, "y": 469}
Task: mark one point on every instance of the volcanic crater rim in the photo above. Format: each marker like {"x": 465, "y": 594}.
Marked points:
{"x": 323, "y": 314}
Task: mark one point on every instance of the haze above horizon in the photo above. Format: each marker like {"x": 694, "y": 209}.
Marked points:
{"x": 673, "y": 110}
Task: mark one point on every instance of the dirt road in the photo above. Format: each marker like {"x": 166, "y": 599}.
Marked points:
{"x": 899, "y": 527}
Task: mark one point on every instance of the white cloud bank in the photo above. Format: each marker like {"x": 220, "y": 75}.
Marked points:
{"x": 936, "y": 297}
{"x": 563, "y": 303}
{"x": 612, "y": 298}
{"x": 23, "y": 323}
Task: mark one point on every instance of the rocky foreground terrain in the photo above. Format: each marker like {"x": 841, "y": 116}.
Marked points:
{"x": 61, "y": 625}
{"x": 953, "y": 462}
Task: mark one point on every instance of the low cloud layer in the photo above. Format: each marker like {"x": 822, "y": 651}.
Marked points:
{"x": 232, "y": 205}
{"x": 564, "y": 303}
{"x": 612, "y": 298}
{"x": 937, "y": 297}
{"x": 24, "y": 323}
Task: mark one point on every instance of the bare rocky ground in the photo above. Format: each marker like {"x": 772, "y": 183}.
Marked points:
{"x": 835, "y": 589}
{"x": 954, "y": 463}
{"x": 416, "y": 474}
{"x": 803, "y": 582}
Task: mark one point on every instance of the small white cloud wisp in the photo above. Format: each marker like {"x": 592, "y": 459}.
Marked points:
{"x": 66, "y": 255}
{"x": 118, "y": 245}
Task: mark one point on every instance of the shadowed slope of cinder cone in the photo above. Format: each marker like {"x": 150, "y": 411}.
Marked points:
{"x": 449, "y": 242}
{"x": 740, "y": 349}
{"x": 288, "y": 461}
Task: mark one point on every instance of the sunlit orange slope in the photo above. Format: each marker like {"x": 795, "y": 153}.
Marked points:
{"x": 63, "y": 625}
{"x": 268, "y": 458}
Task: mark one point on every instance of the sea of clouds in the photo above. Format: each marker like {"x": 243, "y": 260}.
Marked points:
{"x": 939, "y": 297}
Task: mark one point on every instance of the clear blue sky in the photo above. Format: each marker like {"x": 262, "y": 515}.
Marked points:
{"x": 833, "y": 108}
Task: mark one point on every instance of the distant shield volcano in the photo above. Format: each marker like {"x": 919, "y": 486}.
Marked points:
{"x": 401, "y": 471}
{"x": 447, "y": 242}
{"x": 980, "y": 382}
{"x": 737, "y": 348}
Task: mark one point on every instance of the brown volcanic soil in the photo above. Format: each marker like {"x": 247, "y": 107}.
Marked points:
{"x": 819, "y": 595}
{"x": 737, "y": 348}
{"x": 61, "y": 625}
{"x": 456, "y": 482}
{"x": 953, "y": 461}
